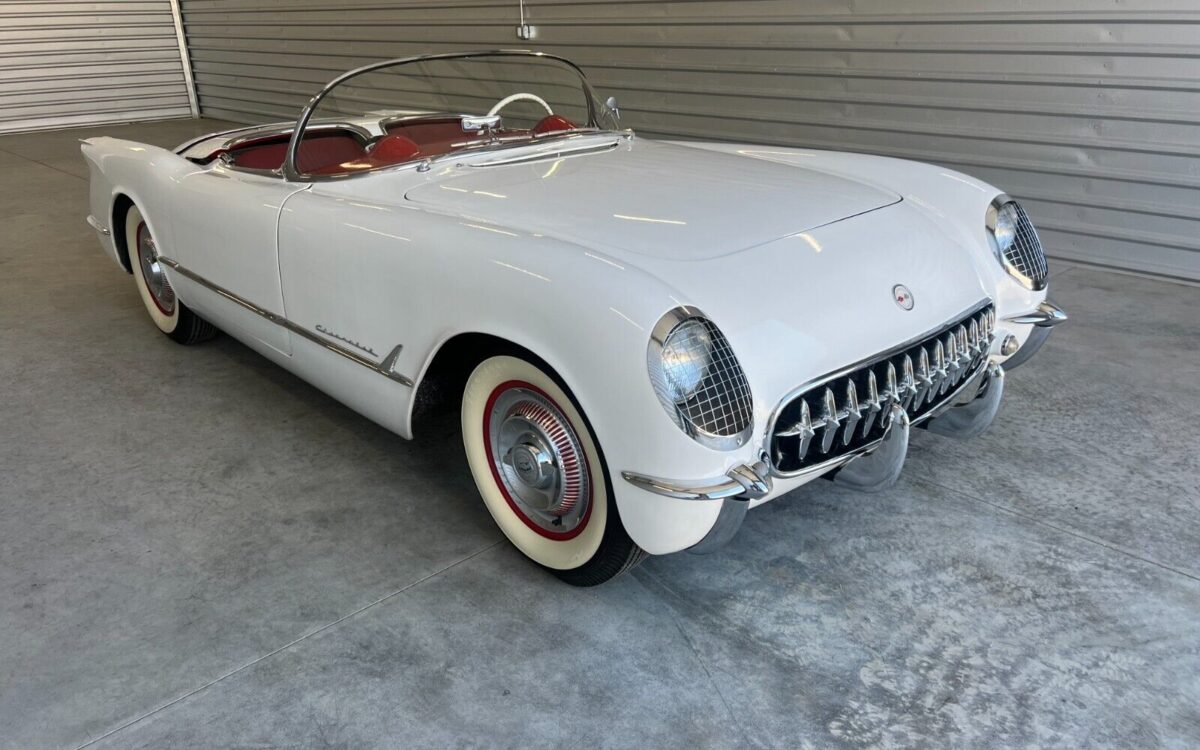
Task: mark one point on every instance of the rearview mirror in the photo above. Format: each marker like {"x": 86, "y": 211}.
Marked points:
{"x": 473, "y": 124}
{"x": 611, "y": 103}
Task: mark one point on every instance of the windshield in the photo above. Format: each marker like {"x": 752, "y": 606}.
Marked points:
{"x": 413, "y": 110}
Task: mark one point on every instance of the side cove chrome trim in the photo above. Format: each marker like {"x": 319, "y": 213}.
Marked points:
{"x": 384, "y": 368}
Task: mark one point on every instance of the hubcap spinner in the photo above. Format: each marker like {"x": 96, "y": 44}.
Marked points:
{"x": 152, "y": 272}
{"x": 538, "y": 460}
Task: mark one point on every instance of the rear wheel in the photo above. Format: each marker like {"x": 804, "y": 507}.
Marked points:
{"x": 541, "y": 474}
{"x": 170, "y": 315}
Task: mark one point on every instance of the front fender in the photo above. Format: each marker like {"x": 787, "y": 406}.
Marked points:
{"x": 594, "y": 336}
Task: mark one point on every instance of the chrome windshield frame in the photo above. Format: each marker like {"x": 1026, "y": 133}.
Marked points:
{"x": 291, "y": 174}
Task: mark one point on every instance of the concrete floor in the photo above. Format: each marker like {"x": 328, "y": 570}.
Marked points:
{"x": 199, "y": 550}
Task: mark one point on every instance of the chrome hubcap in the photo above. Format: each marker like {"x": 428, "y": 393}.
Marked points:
{"x": 152, "y": 272}
{"x": 539, "y": 460}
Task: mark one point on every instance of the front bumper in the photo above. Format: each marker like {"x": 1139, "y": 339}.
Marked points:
{"x": 966, "y": 414}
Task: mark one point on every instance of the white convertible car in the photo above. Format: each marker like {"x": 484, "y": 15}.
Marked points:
{"x": 646, "y": 338}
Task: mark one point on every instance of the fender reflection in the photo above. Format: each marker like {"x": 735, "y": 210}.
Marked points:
{"x": 384, "y": 367}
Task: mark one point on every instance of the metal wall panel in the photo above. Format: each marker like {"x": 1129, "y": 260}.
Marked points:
{"x": 1088, "y": 110}
{"x": 80, "y": 63}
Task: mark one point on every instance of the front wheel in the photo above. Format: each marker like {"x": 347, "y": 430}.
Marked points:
{"x": 541, "y": 474}
{"x": 170, "y": 315}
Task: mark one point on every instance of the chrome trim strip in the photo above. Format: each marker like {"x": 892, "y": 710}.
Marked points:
{"x": 744, "y": 481}
{"x": 384, "y": 368}
{"x": 96, "y": 225}
{"x": 1046, "y": 315}
{"x": 557, "y": 153}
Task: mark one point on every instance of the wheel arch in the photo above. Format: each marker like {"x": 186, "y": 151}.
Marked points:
{"x": 121, "y": 204}
{"x": 447, "y": 368}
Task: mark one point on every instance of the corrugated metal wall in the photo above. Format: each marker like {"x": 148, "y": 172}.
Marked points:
{"x": 1089, "y": 110}
{"x": 79, "y": 63}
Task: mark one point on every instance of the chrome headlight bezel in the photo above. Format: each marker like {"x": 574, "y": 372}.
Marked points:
{"x": 720, "y": 377}
{"x": 1000, "y": 211}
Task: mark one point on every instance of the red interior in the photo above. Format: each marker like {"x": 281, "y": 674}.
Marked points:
{"x": 341, "y": 151}
{"x": 552, "y": 124}
{"x": 317, "y": 150}
{"x": 434, "y": 137}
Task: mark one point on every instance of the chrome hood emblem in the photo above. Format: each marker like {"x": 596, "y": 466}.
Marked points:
{"x": 903, "y": 297}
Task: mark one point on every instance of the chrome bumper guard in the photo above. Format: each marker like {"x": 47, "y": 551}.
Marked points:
{"x": 1044, "y": 318}
{"x": 735, "y": 491}
{"x": 745, "y": 482}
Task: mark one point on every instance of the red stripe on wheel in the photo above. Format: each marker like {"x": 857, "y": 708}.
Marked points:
{"x": 487, "y": 443}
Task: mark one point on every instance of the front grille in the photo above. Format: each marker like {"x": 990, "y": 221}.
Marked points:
{"x": 842, "y": 413}
{"x": 721, "y": 405}
{"x": 1025, "y": 255}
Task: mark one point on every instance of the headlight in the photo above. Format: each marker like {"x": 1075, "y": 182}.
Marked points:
{"x": 1005, "y": 232}
{"x": 1015, "y": 243}
{"x": 698, "y": 379}
{"x": 686, "y": 355}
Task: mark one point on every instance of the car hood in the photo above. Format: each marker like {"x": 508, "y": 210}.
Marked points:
{"x": 652, "y": 199}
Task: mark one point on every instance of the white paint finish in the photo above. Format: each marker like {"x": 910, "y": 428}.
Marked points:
{"x": 361, "y": 261}
{"x": 225, "y": 230}
{"x": 654, "y": 199}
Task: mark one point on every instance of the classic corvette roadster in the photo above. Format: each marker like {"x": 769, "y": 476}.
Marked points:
{"x": 645, "y": 338}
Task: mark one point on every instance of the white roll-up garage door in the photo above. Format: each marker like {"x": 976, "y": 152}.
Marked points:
{"x": 82, "y": 63}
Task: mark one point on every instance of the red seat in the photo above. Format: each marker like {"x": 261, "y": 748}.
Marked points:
{"x": 393, "y": 149}
{"x": 552, "y": 124}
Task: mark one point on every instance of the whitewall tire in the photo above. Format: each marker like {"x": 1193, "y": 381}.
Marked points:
{"x": 540, "y": 472}
{"x": 170, "y": 315}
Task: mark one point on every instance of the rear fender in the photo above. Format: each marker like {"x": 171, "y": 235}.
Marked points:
{"x": 144, "y": 174}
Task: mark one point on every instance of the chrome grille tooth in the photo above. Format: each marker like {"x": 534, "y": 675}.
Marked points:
{"x": 973, "y": 337}
{"x": 806, "y": 429}
{"x": 924, "y": 382}
{"x": 939, "y": 372}
{"x": 953, "y": 366}
{"x": 873, "y": 406}
{"x": 964, "y": 349}
{"x": 853, "y": 412}
{"x": 951, "y": 353}
{"x": 802, "y": 429}
{"x": 908, "y": 384}
{"x": 830, "y": 421}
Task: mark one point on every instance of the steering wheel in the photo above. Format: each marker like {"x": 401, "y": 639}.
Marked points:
{"x": 517, "y": 98}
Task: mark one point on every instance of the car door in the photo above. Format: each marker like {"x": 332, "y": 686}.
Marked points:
{"x": 353, "y": 285}
{"x": 225, "y": 233}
